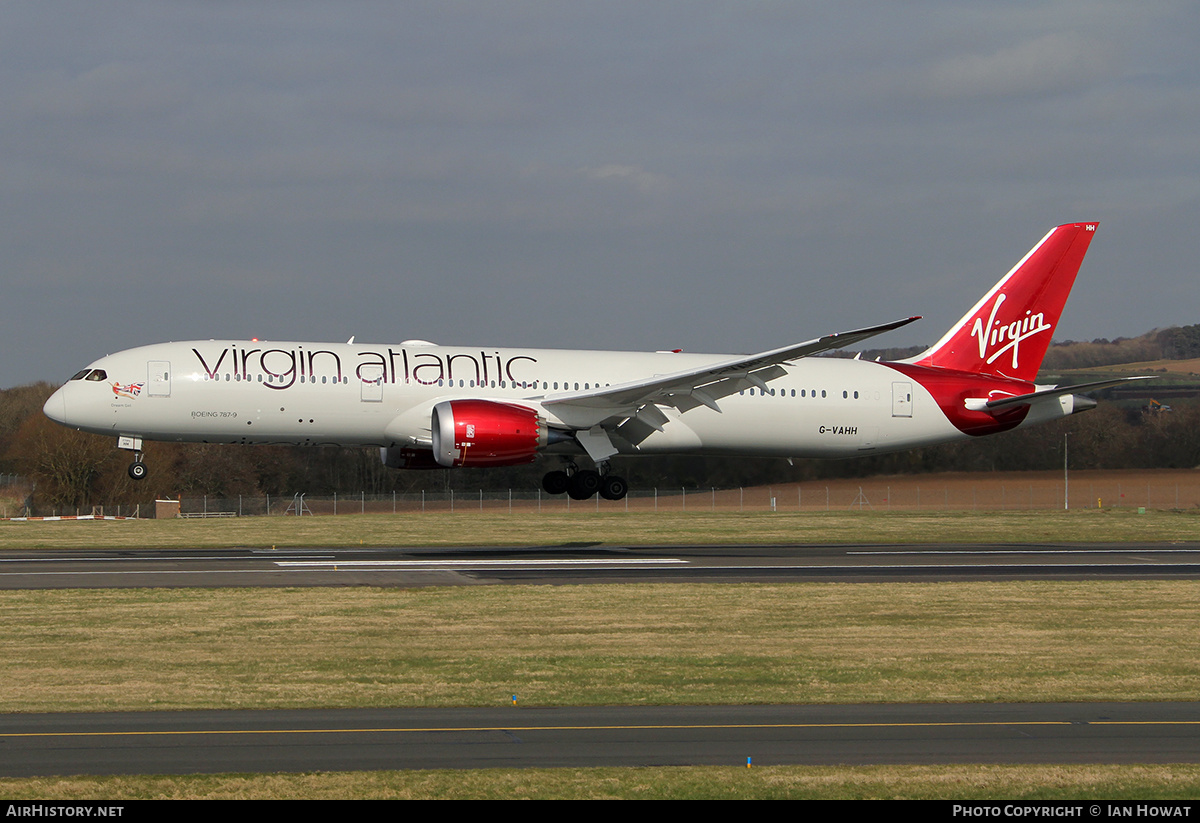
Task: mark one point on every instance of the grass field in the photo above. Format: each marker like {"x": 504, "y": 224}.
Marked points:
{"x": 127, "y": 649}
{"x": 1013, "y": 783}
{"x": 611, "y": 528}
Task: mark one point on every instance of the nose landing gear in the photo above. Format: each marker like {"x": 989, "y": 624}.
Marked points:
{"x": 137, "y": 469}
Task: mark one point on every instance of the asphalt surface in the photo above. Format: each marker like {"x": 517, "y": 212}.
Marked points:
{"x": 409, "y": 567}
{"x": 513, "y": 737}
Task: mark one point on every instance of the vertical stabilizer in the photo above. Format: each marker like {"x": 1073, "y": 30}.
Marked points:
{"x": 1007, "y": 332}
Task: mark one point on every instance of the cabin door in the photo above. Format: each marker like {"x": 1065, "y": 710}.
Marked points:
{"x": 372, "y": 383}
{"x": 902, "y": 399}
{"x": 159, "y": 372}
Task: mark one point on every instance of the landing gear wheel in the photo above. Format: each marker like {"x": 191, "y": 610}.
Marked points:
{"x": 555, "y": 482}
{"x": 583, "y": 484}
{"x": 613, "y": 487}
{"x": 138, "y": 470}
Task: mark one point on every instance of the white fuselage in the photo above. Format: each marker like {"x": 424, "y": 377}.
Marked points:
{"x": 383, "y": 395}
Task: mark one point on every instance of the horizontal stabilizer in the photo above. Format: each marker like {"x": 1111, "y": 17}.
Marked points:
{"x": 1058, "y": 391}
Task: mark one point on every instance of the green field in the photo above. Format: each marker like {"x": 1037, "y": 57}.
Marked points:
{"x": 1012, "y": 783}
{"x": 500, "y": 528}
{"x": 125, "y": 649}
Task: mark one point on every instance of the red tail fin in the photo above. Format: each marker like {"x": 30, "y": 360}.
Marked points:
{"x": 1008, "y": 331}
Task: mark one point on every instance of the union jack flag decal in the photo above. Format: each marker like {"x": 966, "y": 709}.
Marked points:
{"x": 132, "y": 390}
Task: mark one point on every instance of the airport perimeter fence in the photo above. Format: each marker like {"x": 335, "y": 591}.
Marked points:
{"x": 1175, "y": 491}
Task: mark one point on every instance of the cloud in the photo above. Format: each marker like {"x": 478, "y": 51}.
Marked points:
{"x": 1047, "y": 64}
{"x": 644, "y": 181}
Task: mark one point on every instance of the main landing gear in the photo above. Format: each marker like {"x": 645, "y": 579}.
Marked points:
{"x": 581, "y": 484}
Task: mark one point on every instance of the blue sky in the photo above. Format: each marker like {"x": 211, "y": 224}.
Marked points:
{"x": 722, "y": 177}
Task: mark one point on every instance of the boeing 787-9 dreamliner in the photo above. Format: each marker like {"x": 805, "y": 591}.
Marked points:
{"x": 429, "y": 406}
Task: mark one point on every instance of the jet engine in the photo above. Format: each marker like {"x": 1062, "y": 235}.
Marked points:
{"x": 486, "y": 433}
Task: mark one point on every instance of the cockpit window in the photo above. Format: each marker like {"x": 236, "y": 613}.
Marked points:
{"x": 80, "y": 375}
{"x": 97, "y": 375}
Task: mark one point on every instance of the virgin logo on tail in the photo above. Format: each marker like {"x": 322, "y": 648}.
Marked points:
{"x": 1025, "y": 303}
{"x": 997, "y": 332}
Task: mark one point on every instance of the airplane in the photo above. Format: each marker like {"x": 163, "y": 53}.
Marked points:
{"x": 434, "y": 407}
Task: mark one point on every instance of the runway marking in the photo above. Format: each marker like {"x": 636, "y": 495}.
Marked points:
{"x": 126, "y": 559}
{"x": 1030, "y": 551}
{"x": 418, "y": 564}
{"x": 611, "y": 565}
{"x": 618, "y": 727}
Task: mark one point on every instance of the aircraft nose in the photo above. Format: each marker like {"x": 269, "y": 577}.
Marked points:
{"x": 56, "y": 407}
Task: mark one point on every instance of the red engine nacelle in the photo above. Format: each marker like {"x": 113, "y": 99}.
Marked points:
{"x": 485, "y": 433}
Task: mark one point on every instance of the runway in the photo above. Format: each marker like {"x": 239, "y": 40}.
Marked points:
{"x": 510, "y": 737}
{"x": 417, "y": 567}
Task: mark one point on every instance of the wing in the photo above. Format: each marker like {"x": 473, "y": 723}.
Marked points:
{"x": 633, "y": 405}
